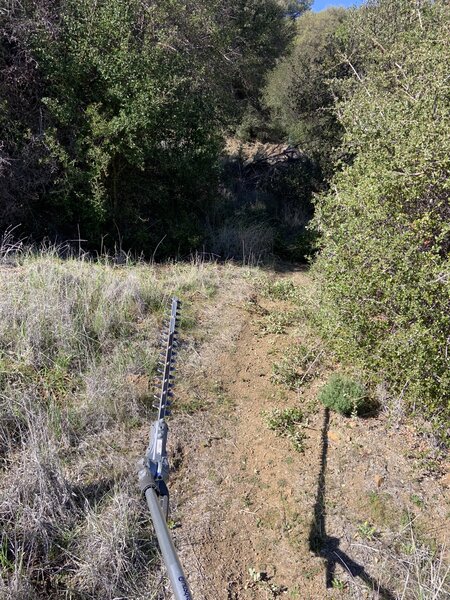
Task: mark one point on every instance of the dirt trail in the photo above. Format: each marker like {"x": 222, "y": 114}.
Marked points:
{"x": 259, "y": 519}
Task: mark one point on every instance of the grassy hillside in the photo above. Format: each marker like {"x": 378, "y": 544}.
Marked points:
{"x": 78, "y": 346}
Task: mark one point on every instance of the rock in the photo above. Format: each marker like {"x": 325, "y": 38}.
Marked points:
{"x": 379, "y": 480}
{"x": 445, "y": 481}
{"x": 333, "y": 436}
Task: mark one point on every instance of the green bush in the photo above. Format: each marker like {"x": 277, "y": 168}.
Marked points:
{"x": 343, "y": 395}
{"x": 115, "y": 131}
{"x": 297, "y": 92}
{"x": 383, "y": 270}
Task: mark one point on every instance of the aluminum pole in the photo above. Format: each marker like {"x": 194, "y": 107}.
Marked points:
{"x": 177, "y": 578}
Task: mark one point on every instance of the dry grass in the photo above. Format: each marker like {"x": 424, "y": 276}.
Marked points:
{"x": 114, "y": 548}
{"x": 78, "y": 347}
{"x": 246, "y": 242}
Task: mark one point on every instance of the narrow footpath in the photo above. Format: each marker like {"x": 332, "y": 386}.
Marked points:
{"x": 254, "y": 518}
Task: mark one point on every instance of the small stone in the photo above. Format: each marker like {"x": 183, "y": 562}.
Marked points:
{"x": 333, "y": 436}
{"x": 445, "y": 481}
{"x": 379, "y": 480}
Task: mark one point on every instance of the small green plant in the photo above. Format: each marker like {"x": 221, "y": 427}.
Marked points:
{"x": 343, "y": 394}
{"x": 417, "y": 500}
{"x": 283, "y": 289}
{"x": 367, "y": 531}
{"x": 298, "y": 365}
{"x": 338, "y": 584}
{"x": 275, "y": 322}
{"x": 288, "y": 423}
{"x": 6, "y": 563}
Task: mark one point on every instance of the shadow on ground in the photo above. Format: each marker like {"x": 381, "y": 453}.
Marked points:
{"x": 327, "y": 547}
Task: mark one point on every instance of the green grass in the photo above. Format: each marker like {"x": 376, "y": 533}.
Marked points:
{"x": 281, "y": 289}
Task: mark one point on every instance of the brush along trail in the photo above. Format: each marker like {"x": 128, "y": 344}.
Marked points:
{"x": 257, "y": 516}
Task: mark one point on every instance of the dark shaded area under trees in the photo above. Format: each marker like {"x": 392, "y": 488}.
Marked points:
{"x": 113, "y": 113}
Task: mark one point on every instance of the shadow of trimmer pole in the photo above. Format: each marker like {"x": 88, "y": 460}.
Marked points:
{"x": 328, "y": 547}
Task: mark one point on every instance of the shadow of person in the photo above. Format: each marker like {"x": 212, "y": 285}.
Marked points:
{"x": 327, "y": 547}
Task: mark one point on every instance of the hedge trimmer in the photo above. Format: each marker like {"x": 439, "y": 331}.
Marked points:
{"x": 153, "y": 469}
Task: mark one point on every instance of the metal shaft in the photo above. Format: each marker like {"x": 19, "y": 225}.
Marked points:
{"x": 180, "y": 587}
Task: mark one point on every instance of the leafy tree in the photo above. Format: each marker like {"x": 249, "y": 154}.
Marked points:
{"x": 22, "y": 175}
{"x": 298, "y": 93}
{"x": 129, "y": 103}
{"x": 384, "y": 268}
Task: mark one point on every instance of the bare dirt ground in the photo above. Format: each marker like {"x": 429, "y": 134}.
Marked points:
{"x": 253, "y": 517}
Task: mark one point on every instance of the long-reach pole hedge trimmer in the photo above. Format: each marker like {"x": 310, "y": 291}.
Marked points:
{"x": 153, "y": 469}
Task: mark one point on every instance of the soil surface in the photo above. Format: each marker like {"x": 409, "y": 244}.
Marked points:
{"x": 254, "y": 518}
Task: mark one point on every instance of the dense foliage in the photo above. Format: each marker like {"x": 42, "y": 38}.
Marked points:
{"x": 298, "y": 93}
{"x": 343, "y": 395}
{"x": 384, "y": 267}
{"x": 112, "y": 112}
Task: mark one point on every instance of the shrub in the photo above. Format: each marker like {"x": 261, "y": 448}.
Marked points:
{"x": 287, "y": 423}
{"x": 342, "y": 394}
{"x": 383, "y": 270}
{"x": 300, "y": 364}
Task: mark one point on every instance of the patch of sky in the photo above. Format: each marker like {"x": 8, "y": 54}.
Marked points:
{"x": 323, "y": 4}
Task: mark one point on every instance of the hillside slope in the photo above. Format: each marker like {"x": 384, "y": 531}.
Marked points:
{"x": 266, "y": 502}
{"x": 355, "y": 513}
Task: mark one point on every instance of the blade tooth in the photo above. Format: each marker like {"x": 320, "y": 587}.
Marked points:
{"x": 170, "y": 394}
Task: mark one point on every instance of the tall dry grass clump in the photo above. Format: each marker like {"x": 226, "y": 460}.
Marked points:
{"x": 79, "y": 342}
